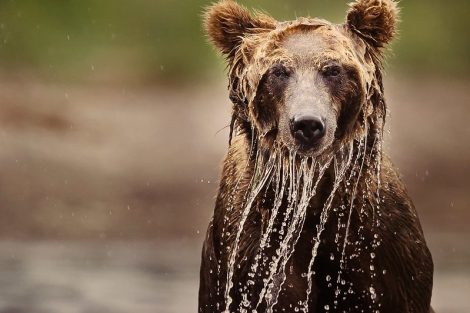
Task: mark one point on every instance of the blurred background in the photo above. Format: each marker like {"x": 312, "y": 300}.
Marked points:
{"x": 113, "y": 123}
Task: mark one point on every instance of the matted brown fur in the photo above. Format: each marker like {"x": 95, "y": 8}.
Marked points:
{"x": 255, "y": 46}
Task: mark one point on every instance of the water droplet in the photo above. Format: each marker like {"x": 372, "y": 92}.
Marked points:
{"x": 372, "y": 293}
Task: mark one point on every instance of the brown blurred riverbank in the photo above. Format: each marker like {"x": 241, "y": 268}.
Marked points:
{"x": 90, "y": 162}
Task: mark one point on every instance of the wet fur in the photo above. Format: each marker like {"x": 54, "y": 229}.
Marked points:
{"x": 406, "y": 284}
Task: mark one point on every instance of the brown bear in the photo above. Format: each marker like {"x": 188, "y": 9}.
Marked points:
{"x": 310, "y": 215}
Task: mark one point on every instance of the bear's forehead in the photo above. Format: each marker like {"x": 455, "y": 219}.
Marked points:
{"x": 316, "y": 44}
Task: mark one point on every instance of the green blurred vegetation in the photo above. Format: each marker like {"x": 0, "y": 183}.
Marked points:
{"x": 162, "y": 40}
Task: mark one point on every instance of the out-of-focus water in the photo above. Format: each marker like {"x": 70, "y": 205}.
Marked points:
{"x": 125, "y": 277}
{"x": 63, "y": 277}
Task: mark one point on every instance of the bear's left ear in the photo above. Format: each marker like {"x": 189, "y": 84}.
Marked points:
{"x": 374, "y": 21}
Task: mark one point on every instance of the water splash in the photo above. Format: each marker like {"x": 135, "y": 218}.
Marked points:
{"x": 231, "y": 202}
{"x": 341, "y": 166}
{"x": 293, "y": 180}
{"x": 299, "y": 205}
{"x": 356, "y": 170}
{"x": 261, "y": 175}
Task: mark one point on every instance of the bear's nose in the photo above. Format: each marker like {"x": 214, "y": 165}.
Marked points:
{"x": 307, "y": 130}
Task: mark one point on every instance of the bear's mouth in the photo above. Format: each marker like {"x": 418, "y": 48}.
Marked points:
{"x": 309, "y": 150}
{"x": 314, "y": 151}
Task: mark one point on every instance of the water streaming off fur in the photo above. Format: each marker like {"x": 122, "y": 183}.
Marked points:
{"x": 293, "y": 181}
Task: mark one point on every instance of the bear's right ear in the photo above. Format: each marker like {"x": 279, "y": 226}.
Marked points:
{"x": 227, "y": 23}
{"x": 374, "y": 21}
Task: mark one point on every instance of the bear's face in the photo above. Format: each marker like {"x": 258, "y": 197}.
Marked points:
{"x": 311, "y": 91}
{"x": 303, "y": 84}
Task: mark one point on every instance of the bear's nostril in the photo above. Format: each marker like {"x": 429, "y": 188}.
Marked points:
{"x": 307, "y": 130}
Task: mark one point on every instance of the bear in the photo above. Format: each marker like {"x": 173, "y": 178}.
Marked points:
{"x": 310, "y": 215}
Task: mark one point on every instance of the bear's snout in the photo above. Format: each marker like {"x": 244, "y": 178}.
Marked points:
{"x": 307, "y": 130}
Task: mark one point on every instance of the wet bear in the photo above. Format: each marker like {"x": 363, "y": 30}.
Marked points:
{"x": 310, "y": 215}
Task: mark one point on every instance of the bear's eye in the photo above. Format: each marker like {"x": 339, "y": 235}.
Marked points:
{"x": 331, "y": 71}
{"x": 280, "y": 71}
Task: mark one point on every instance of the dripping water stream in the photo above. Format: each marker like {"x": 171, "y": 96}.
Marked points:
{"x": 293, "y": 181}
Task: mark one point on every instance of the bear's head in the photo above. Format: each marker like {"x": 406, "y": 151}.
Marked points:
{"x": 308, "y": 85}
